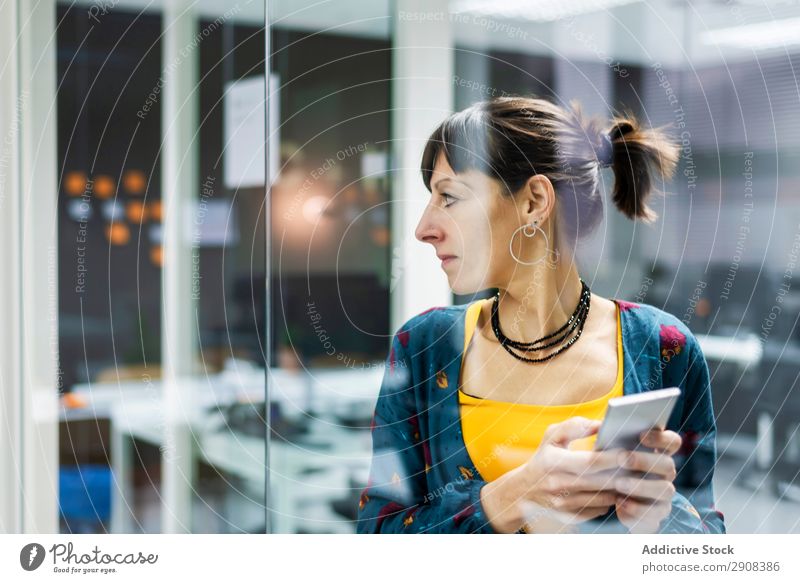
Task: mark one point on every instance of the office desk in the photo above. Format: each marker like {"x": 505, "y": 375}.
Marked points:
{"x": 137, "y": 410}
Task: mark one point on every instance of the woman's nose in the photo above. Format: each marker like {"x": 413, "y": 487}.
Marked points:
{"x": 428, "y": 230}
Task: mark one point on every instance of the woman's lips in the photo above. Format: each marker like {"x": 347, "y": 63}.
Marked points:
{"x": 448, "y": 260}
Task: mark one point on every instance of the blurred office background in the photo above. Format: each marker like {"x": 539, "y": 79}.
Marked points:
{"x": 158, "y": 279}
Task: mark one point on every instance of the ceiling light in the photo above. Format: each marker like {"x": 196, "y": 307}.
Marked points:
{"x": 759, "y": 36}
{"x": 536, "y": 10}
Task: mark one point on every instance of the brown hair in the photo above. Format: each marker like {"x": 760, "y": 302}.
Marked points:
{"x": 512, "y": 138}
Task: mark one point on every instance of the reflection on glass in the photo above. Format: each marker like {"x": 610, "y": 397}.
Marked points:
{"x": 133, "y": 460}
{"x": 122, "y": 109}
{"x": 331, "y": 271}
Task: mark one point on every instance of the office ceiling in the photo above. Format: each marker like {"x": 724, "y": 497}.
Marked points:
{"x": 672, "y": 32}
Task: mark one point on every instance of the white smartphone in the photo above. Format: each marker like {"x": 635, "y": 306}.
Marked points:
{"x": 627, "y": 417}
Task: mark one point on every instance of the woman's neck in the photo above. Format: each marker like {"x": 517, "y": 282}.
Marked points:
{"x": 537, "y": 305}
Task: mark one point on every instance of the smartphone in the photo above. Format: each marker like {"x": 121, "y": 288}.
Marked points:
{"x": 627, "y": 417}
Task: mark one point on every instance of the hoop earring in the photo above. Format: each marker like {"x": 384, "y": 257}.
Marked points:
{"x": 536, "y": 227}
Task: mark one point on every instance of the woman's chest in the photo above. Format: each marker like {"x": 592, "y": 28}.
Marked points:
{"x": 585, "y": 371}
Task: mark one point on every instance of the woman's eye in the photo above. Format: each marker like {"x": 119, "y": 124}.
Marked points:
{"x": 450, "y": 197}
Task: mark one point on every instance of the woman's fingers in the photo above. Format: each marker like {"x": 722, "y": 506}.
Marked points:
{"x": 665, "y": 441}
{"x": 585, "y": 462}
{"x": 591, "y": 512}
{"x": 552, "y": 520}
{"x": 562, "y": 433}
{"x": 594, "y": 481}
{"x": 656, "y": 490}
{"x": 642, "y": 517}
{"x": 575, "y": 501}
{"x": 652, "y": 463}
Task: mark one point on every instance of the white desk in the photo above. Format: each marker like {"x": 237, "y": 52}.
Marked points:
{"x": 745, "y": 351}
{"x": 136, "y": 411}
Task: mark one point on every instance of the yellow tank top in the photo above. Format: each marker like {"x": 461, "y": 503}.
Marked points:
{"x": 501, "y": 436}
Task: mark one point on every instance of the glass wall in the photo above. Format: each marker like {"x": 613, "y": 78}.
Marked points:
{"x": 224, "y": 322}
{"x": 721, "y": 256}
{"x": 717, "y": 76}
{"x": 162, "y": 308}
{"x": 330, "y": 255}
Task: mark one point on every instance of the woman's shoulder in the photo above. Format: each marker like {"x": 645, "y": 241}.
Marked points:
{"x": 647, "y": 314}
{"x": 431, "y": 326}
{"x": 673, "y": 334}
{"x": 435, "y": 316}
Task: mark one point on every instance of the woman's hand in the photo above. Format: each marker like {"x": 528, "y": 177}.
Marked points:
{"x": 644, "y": 503}
{"x": 556, "y": 486}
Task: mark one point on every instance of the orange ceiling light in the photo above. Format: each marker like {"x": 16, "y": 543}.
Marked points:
{"x": 134, "y": 181}
{"x": 118, "y": 233}
{"x": 155, "y": 210}
{"x": 75, "y": 183}
{"x": 157, "y": 256}
{"x": 103, "y": 186}
{"x": 136, "y": 212}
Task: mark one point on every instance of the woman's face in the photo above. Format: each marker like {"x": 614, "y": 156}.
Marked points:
{"x": 469, "y": 219}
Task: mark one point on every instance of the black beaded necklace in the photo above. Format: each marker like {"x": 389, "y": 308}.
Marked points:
{"x": 576, "y": 321}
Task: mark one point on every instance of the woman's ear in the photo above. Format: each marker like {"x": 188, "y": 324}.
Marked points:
{"x": 537, "y": 199}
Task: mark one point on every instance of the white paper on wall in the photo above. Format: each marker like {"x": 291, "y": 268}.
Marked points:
{"x": 245, "y": 131}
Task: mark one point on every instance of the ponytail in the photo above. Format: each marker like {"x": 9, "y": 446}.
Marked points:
{"x": 640, "y": 156}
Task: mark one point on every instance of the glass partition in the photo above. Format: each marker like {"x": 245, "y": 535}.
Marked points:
{"x": 716, "y": 76}
{"x": 161, "y": 117}
{"x": 331, "y": 254}
{"x": 236, "y": 250}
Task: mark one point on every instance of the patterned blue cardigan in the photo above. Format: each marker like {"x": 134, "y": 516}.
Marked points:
{"x": 421, "y": 477}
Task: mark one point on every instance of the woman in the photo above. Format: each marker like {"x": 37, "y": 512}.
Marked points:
{"x": 487, "y": 412}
